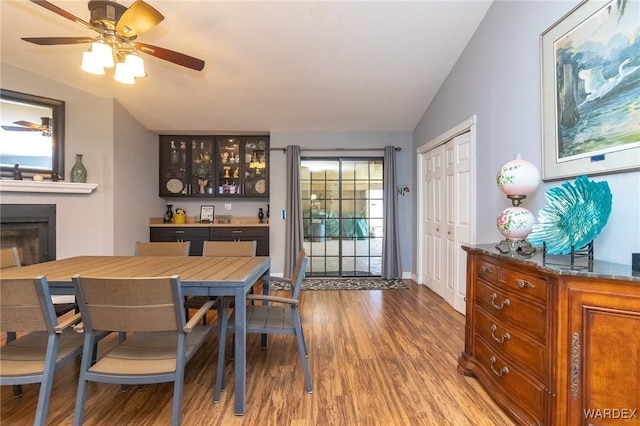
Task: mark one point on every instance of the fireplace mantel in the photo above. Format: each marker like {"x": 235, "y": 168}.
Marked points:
{"x": 7, "y": 185}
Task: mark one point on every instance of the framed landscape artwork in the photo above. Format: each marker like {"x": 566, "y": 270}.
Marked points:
{"x": 591, "y": 90}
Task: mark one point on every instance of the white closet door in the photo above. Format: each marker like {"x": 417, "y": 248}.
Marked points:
{"x": 434, "y": 219}
{"x": 463, "y": 216}
{"x": 449, "y": 203}
{"x": 448, "y": 217}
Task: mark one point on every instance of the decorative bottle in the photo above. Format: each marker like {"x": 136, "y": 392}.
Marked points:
{"x": 78, "y": 171}
{"x": 267, "y": 213}
{"x": 168, "y": 216}
{"x": 260, "y": 215}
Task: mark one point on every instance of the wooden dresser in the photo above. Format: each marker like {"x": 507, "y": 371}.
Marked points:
{"x": 554, "y": 345}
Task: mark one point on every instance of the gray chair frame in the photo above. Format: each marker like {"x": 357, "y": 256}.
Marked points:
{"x": 26, "y": 306}
{"x": 267, "y": 318}
{"x": 152, "y": 310}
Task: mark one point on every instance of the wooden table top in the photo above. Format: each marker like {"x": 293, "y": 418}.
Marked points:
{"x": 194, "y": 271}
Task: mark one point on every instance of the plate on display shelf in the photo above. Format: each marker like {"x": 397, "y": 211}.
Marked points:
{"x": 261, "y": 186}
{"x": 175, "y": 186}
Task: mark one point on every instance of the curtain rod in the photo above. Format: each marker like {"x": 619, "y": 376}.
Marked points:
{"x": 397, "y": 148}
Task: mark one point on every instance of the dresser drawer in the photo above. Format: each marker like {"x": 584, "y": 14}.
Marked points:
{"x": 487, "y": 270}
{"x": 512, "y": 309}
{"x": 525, "y": 284}
{"x": 515, "y": 383}
{"x": 237, "y": 232}
{"x": 511, "y": 342}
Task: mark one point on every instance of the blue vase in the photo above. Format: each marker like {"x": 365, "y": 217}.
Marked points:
{"x": 78, "y": 171}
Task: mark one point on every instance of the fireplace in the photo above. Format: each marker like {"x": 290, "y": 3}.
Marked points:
{"x": 31, "y": 228}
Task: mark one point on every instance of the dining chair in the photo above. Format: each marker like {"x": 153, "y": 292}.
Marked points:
{"x": 229, "y": 248}
{"x": 159, "y": 343}
{"x": 220, "y": 248}
{"x": 278, "y": 315}
{"x": 162, "y": 248}
{"x": 10, "y": 258}
{"x": 43, "y": 345}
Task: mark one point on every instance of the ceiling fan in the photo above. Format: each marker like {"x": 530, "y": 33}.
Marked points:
{"x": 118, "y": 28}
{"x": 27, "y": 126}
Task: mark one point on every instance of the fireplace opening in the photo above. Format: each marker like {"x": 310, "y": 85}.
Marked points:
{"x": 31, "y": 228}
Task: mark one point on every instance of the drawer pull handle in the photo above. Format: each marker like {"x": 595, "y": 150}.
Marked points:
{"x": 505, "y": 302}
{"x": 180, "y": 232}
{"x": 524, "y": 283}
{"x": 505, "y": 336}
{"x": 236, "y": 232}
{"x": 486, "y": 270}
{"x": 503, "y": 371}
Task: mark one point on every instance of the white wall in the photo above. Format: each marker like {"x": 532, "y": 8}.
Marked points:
{"x": 404, "y": 163}
{"x": 497, "y": 78}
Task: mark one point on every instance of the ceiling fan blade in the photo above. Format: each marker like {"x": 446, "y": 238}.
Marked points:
{"x": 138, "y": 18}
{"x": 28, "y": 124}
{"x": 48, "y": 41}
{"x": 19, "y": 129}
{"x": 55, "y": 9}
{"x": 171, "y": 56}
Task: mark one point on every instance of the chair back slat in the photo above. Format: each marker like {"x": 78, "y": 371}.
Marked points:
{"x": 9, "y": 258}
{"x": 130, "y": 304}
{"x": 162, "y": 248}
{"x": 229, "y": 248}
{"x": 298, "y": 273}
{"x": 25, "y": 305}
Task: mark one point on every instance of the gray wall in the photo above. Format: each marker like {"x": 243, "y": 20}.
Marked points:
{"x": 497, "y": 78}
{"x": 119, "y": 156}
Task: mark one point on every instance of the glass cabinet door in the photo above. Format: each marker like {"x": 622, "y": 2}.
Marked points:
{"x": 256, "y": 163}
{"x": 173, "y": 166}
{"x": 202, "y": 175}
{"x": 228, "y": 161}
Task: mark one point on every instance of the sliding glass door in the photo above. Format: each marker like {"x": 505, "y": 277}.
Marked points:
{"x": 343, "y": 216}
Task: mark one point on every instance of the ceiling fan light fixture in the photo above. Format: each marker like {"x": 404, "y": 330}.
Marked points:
{"x": 104, "y": 53}
{"x": 91, "y": 64}
{"x": 135, "y": 64}
{"x": 123, "y": 74}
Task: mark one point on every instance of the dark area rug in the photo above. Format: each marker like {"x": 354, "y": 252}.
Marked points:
{"x": 343, "y": 284}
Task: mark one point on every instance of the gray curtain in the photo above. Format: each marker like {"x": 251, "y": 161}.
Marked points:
{"x": 294, "y": 233}
{"x": 391, "y": 267}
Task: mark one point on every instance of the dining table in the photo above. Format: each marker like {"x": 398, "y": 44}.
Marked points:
{"x": 199, "y": 276}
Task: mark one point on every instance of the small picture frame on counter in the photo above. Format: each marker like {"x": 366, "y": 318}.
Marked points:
{"x": 207, "y": 214}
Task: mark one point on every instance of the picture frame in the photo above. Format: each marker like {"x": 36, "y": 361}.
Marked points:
{"x": 206, "y": 214}
{"x": 590, "y": 91}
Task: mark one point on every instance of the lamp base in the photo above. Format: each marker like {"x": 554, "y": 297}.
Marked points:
{"x": 517, "y": 248}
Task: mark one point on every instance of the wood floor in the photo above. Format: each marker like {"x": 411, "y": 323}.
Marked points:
{"x": 377, "y": 358}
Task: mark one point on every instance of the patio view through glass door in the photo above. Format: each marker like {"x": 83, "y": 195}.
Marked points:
{"x": 343, "y": 216}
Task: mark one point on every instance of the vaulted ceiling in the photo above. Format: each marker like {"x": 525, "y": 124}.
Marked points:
{"x": 270, "y": 65}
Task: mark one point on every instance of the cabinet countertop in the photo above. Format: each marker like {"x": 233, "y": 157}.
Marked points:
{"x": 560, "y": 264}
{"x": 208, "y": 225}
{"x": 156, "y": 222}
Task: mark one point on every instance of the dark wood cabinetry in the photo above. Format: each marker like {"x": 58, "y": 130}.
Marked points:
{"x": 197, "y": 235}
{"x": 214, "y": 166}
{"x": 242, "y": 166}
{"x": 553, "y": 346}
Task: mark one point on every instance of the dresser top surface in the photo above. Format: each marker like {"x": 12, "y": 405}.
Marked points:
{"x": 561, "y": 264}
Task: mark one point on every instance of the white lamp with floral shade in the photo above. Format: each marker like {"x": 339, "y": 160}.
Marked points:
{"x": 517, "y": 179}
